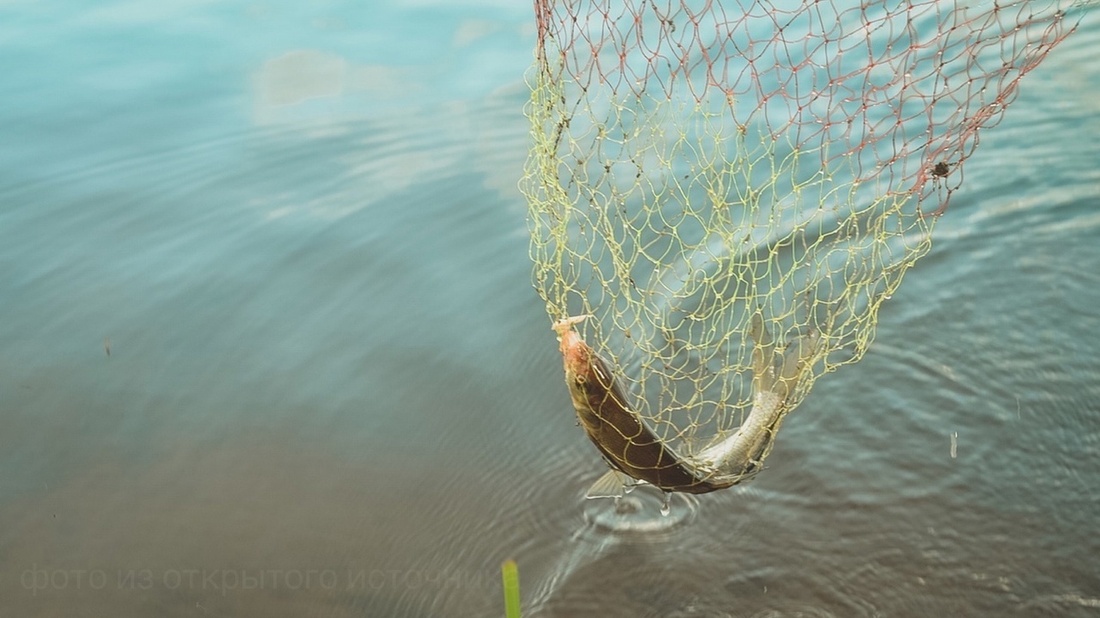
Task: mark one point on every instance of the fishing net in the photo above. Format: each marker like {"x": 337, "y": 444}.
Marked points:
{"x": 716, "y": 180}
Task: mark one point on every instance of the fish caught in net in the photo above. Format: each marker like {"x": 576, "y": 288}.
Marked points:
{"x": 722, "y": 195}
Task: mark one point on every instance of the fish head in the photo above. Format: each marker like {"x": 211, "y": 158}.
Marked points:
{"x": 569, "y": 338}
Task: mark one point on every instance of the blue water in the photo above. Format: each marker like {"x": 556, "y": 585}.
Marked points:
{"x": 268, "y": 346}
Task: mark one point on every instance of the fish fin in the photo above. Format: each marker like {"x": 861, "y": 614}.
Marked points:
{"x": 763, "y": 355}
{"x": 798, "y": 355}
{"x": 610, "y": 485}
{"x": 693, "y": 445}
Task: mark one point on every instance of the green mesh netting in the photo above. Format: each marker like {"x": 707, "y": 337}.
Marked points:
{"x": 696, "y": 164}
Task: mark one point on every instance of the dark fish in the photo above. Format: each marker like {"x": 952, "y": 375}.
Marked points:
{"x": 632, "y": 448}
{"x": 617, "y": 431}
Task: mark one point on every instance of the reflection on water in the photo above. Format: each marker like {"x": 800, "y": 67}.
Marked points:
{"x": 331, "y": 388}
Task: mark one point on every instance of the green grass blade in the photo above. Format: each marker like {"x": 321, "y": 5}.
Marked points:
{"x": 511, "y": 588}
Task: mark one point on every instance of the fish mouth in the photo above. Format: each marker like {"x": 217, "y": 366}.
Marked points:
{"x": 565, "y": 325}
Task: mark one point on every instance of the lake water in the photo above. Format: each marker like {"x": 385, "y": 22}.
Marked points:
{"x": 268, "y": 347}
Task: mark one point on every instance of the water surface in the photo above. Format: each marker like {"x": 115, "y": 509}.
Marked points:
{"x": 268, "y": 346}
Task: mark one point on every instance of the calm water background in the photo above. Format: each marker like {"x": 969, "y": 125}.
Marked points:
{"x": 332, "y": 391}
